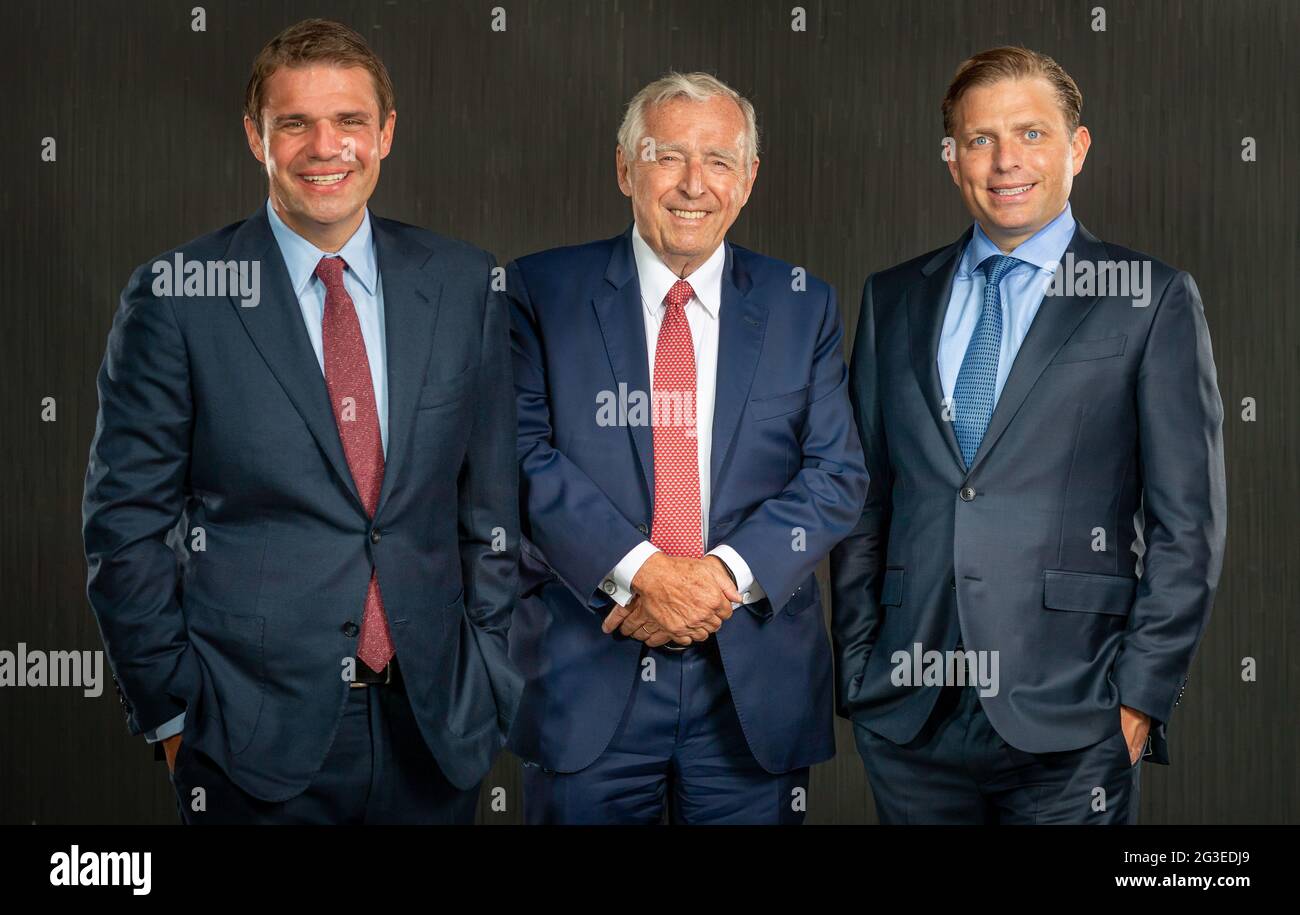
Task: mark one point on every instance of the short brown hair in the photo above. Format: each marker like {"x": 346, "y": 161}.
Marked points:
{"x": 315, "y": 41}
{"x": 1013, "y": 63}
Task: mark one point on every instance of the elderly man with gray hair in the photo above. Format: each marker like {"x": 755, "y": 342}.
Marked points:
{"x": 687, "y": 456}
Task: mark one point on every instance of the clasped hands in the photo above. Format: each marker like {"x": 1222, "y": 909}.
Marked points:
{"x": 677, "y": 599}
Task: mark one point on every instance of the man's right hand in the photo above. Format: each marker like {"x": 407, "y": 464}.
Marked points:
{"x": 686, "y": 597}
{"x": 170, "y": 746}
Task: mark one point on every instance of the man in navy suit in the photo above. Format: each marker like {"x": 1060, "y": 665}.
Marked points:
{"x": 1016, "y": 611}
{"x": 301, "y": 509}
{"x": 687, "y": 457}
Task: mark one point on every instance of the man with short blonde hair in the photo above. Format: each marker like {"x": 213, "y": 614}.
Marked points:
{"x": 1016, "y": 612}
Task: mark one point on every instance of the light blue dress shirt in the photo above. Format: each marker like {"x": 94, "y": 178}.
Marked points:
{"x": 1021, "y": 291}
{"x": 361, "y": 280}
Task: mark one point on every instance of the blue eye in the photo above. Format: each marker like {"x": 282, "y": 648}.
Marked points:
{"x": 980, "y": 141}
{"x": 1032, "y": 134}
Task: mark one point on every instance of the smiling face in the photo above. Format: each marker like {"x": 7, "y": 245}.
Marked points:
{"x": 321, "y": 142}
{"x": 1015, "y": 157}
{"x": 686, "y": 199}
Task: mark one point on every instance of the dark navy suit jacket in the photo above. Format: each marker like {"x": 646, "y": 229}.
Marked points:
{"x": 1110, "y": 411}
{"x": 216, "y": 416}
{"x": 787, "y": 482}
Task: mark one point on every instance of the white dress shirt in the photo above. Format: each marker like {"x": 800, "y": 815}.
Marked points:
{"x": 702, "y": 316}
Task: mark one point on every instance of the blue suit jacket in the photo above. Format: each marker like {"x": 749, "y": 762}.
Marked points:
{"x": 787, "y": 482}
{"x": 216, "y": 416}
{"x": 1107, "y": 436}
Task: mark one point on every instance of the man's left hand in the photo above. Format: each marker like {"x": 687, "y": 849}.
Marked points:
{"x": 1136, "y": 725}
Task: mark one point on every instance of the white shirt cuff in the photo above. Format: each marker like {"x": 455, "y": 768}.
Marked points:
{"x": 618, "y": 583}
{"x": 749, "y": 589}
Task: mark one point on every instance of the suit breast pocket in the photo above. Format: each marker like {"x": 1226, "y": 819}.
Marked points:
{"x": 439, "y": 393}
{"x": 770, "y": 407}
{"x": 1089, "y": 350}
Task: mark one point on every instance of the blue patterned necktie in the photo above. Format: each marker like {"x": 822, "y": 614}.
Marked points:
{"x": 975, "y": 392}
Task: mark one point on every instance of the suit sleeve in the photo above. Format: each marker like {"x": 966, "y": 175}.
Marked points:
{"x": 488, "y": 485}
{"x": 857, "y": 563}
{"x": 134, "y": 495}
{"x": 1180, "y": 432}
{"x": 824, "y": 499}
{"x": 578, "y": 529}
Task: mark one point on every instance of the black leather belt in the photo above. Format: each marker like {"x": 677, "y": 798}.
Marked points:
{"x": 389, "y": 676}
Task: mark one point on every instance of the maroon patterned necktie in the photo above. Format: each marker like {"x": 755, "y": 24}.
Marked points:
{"x": 675, "y": 528}
{"x": 352, "y": 395}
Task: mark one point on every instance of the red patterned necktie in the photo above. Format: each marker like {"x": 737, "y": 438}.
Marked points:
{"x": 675, "y": 528}
{"x": 352, "y": 395}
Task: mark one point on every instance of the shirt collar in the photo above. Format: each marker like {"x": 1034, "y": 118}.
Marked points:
{"x": 656, "y": 279}
{"x": 301, "y": 256}
{"x": 1043, "y": 249}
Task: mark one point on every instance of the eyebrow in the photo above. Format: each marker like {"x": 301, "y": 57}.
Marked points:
{"x": 281, "y": 118}
{"x": 718, "y": 153}
{"x": 1015, "y": 128}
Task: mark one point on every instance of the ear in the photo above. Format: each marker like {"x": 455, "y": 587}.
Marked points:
{"x": 622, "y": 167}
{"x": 386, "y": 134}
{"x": 1079, "y": 146}
{"x": 254, "y": 140}
{"x": 952, "y": 163}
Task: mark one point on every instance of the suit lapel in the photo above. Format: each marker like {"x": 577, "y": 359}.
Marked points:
{"x": 1055, "y": 321}
{"x": 927, "y": 303}
{"x": 277, "y": 330}
{"x": 276, "y": 327}
{"x": 412, "y": 294}
{"x": 742, "y": 322}
{"x": 618, "y": 309}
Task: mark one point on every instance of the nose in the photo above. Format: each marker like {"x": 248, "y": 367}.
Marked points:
{"x": 1007, "y": 156}
{"x": 323, "y": 142}
{"x": 692, "y": 183}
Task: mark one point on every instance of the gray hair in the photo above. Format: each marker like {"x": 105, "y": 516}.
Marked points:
{"x": 697, "y": 87}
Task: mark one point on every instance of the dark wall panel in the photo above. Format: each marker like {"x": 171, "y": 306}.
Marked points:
{"x": 507, "y": 140}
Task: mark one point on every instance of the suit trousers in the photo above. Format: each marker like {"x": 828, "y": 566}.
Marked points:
{"x": 378, "y": 770}
{"x": 679, "y": 753}
{"x": 958, "y": 770}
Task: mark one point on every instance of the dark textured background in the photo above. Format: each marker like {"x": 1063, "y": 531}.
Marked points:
{"x": 507, "y": 140}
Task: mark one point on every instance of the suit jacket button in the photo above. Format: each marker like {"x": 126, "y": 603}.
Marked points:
{"x": 642, "y": 528}
{"x": 374, "y": 536}
{"x": 968, "y": 494}
{"x": 350, "y": 629}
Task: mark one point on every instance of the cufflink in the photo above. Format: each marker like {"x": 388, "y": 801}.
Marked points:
{"x": 608, "y": 585}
